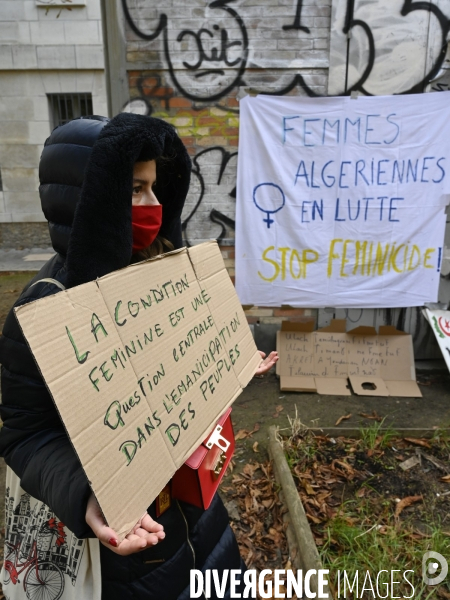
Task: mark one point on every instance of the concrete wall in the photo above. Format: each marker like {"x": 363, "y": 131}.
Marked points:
{"x": 43, "y": 50}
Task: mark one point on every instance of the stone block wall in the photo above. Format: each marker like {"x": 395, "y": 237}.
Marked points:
{"x": 44, "y": 50}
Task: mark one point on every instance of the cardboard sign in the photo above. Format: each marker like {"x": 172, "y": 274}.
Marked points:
{"x": 323, "y": 361}
{"x": 141, "y": 363}
{"x": 440, "y": 324}
{"x": 345, "y": 200}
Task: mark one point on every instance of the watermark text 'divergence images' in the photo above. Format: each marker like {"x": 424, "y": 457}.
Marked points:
{"x": 313, "y": 583}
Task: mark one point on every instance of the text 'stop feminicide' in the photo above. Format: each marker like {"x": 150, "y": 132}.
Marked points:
{"x": 148, "y": 358}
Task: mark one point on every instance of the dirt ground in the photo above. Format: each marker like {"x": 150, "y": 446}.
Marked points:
{"x": 263, "y": 403}
{"x": 375, "y": 502}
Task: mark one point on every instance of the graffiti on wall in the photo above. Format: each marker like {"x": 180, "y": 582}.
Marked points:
{"x": 387, "y": 48}
{"x": 202, "y": 175}
{"x": 218, "y": 53}
{"x": 222, "y": 49}
{"x": 207, "y": 62}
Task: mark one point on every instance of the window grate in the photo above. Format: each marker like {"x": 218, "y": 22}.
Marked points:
{"x": 65, "y": 107}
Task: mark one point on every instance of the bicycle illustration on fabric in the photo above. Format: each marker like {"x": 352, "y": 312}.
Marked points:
{"x": 39, "y": 551}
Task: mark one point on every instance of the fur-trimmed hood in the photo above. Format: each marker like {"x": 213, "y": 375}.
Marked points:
{"x": 86, "y": 172}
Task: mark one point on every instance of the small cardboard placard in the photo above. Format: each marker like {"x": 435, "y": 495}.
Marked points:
{"x": 323, "y": 361}
{"x": 440, "y": 324}
{"x": 141, "y": 364}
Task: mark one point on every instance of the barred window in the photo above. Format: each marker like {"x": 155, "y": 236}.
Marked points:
{"x": 64, "y": 107}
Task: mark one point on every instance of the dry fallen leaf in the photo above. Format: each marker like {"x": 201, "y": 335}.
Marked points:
{"x": 255, "y": 447}
{"x": 343, "y": 418}
{"x": 420, "y": 382}
{"x": 308, "y": 489}
{"x": 446, "y": 478}
{"x": 406, "y": 502}
{"x": 313, "y": 519}
{"x": 374, "y": 416}
{"x": 245, "y": 433}
{"x": 418, "y": 442}
{"x": 278, "y": 409}
{"x": 249, "y": 469}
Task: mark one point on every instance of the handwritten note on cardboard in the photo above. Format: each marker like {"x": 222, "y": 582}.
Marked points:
{"x": 140, "y": 364}
{"x": 323, "y": 361}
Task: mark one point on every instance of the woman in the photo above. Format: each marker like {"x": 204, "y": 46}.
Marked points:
{"x": 89, "y": 169}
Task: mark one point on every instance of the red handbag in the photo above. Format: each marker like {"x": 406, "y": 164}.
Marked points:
{"x": 197, "y": 480}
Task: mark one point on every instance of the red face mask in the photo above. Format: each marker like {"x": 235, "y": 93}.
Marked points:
{"x": 146, "y": 222}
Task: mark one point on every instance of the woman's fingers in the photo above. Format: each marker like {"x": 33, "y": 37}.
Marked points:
{"x": 130, "y": 546}
{"x": 267, "y": 363}
{"x": 150, "y": 524}
{"x": 147, "y": 532}
{"x": 95, "y": 520}
{"x": 152, "y": 537}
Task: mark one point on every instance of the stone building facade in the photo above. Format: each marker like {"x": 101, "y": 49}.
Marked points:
{"x": 52, "y": 68}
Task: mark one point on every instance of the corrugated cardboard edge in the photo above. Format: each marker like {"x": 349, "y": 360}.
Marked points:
{"x": 333, "y": 386}
{"x": 297, "y": 384}
{"x": 336, "y": 326}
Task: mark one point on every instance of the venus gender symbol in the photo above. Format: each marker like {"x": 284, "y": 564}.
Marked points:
{"x": 269, "y": 198}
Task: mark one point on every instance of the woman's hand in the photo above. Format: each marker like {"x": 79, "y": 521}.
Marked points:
{"x": 146, "y": 532}
{"x": 266, "y": 363}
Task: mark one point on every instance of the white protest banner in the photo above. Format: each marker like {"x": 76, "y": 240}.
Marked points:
{"x": 340, "y": 201}
{"x": 439, "y": 321}
{"x": 141, "y": 363}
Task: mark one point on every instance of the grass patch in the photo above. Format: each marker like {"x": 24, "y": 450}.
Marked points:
{"x": 369, "y": 517}
{"x": 376, "y": 436}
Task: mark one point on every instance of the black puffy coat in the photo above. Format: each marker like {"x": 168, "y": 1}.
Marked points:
{"x": 86, "y": 181}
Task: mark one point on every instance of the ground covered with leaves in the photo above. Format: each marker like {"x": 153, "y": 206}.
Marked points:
{"x": 375, "y": 503}
{"x": 256, "y": 513}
